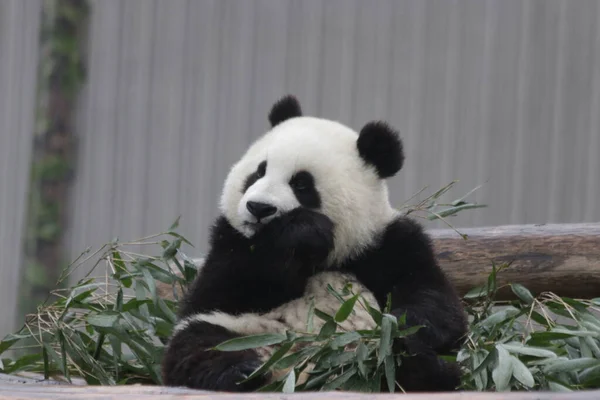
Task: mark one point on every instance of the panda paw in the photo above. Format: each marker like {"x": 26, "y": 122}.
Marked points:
{"x": 225, "y": 375}
{"x": 231, "y": 379}
{"x": 306, "y": 234}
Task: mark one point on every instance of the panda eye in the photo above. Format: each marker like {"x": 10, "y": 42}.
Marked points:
{"x": 299, "y": 185}
{"x": 301, "y": 181}
{"x": 262, "y": 169}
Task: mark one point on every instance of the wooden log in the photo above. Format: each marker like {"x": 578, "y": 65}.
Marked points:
{"x": 30, "y": 392}
{"x": 561, "y": 258}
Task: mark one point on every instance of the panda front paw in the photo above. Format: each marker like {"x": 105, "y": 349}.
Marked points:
{"x": 224, "y": 372}
{"x": 231, "y": 379}
{"x": 302, "y": 233}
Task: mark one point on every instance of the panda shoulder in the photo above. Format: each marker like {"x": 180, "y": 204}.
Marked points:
{"x": 405, "y": 241}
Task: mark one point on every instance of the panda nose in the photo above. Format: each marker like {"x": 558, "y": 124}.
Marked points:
{"x": 260, "y": 210}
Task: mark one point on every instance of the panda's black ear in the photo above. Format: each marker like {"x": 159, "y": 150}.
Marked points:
{"x": 380, "y": 145}
{"x": 285, "y": 108}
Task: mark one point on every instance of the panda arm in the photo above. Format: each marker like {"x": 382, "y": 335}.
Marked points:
{"x": 404, "y": 265}
{"x": 189, "y": 360}
{"x": 239, "y": 276}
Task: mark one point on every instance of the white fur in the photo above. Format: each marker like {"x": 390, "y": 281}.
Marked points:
{"x": 294, "y": 316}
{"x": 352, "y": 194}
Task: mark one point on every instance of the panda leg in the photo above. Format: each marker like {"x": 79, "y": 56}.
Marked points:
{"x": 422, "y": 370}
{"x": 189, "y": 362}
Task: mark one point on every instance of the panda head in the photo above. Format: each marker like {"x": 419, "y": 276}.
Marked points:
{"x": 319, "y": 164}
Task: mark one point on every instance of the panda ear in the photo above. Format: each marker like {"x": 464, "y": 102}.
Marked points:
{"x": 380, "y": 145}
{"x": 285, "y": 108}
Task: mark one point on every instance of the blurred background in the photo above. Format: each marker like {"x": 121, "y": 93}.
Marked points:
{"x": 118, "y": 116}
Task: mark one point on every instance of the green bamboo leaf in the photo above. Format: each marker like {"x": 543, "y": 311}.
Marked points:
{"x": 24, "y": 363}
{"x": 171, "y": 250}
{"x": 454, "y": 210}
{"x": 521, "y": 372}
{"x": 80, "y": 293}
{"x": 344, "y": 339}
{"x": 557, "y": 387}
{"x": 278, "y": 355}
{"x": 250, "y": 342}
{"x": 477, "y": 292}
{"x": 522, "y": 293}
{"x": 540, "y": 337}
{"x": 119, "y": 304}
{"x": 290, "y": 383}
{"x": 340, "y": 380}
{"x": 390, "y": 372}
{"x": 409, "y": 331}
{"x": 571, "y": 365}
{"x": 335, "y": 359}
{"x": 578, "y": 333}
{"x": 483, "y": 360}
{"x": 10, "y": 339}
{"x": 327, "y": 330}
{"x": 374, "y": 313}
{"x": 593, "y": 345}
{"x": 150, "y": 284}
{"x": 318, "y": 380}
{"x": 516, "y": 347}
{"x": 503, "y": 370}
{"x": 178, "y": 236}
{"x": 586, "y": 351}
{"x": 108, "y": 319}
{"x": 590, "y": 377}
{"x": 175, "y": 224}
{"x": 324, "y": 316}
{"x": 346, "y": 309}
{"x": 296, "y": 358}
{"x": 500, "y": 316}
{"x": 362, "y": 353}
{"x": 387, "y": 335}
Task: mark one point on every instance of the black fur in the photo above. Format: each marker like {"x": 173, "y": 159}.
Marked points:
{"x": 303, "y": 185}
{"x": 253, "y": 275}
{"x": 379, "y": 145}
{"x": 256, "y": 175}
{"x": 285, "y": 108}
{"x": 191, "y": 365}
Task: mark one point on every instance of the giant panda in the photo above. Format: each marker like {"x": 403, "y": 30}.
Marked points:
{"x": 307, "y": 205}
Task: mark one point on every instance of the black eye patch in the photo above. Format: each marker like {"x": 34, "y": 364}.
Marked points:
{"x": 303, "y": 185}
{"x": 256, "y": 175}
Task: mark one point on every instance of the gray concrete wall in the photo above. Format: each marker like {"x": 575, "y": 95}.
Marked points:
{"x": 19, "y": 26}
{"x": 501, "y": 92}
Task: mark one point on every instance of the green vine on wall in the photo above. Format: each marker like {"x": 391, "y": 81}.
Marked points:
{"x": 61, "y": 73}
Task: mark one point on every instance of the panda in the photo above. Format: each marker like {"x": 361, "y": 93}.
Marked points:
{"x": 307, "y": 205}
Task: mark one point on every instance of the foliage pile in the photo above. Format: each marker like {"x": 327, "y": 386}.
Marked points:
{"x": 111, "y": 328}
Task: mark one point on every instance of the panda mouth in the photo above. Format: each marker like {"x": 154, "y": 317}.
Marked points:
{"x": 253, "y": 225}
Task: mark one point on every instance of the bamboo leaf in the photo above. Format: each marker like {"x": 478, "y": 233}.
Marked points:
{"x": 503, "y": 371}
{"x": 522, "y": 293}
{"x": 290, "y": 383}
{"x": 344, "y": 339}
{"x": 522, "y": 373}
{"x": 571, "y": 365}
{"x": 390, "y": 372}
{"x": 250, "y": 342}
{"x": 346, "y": 309}
{"x": 516, "y": 347}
